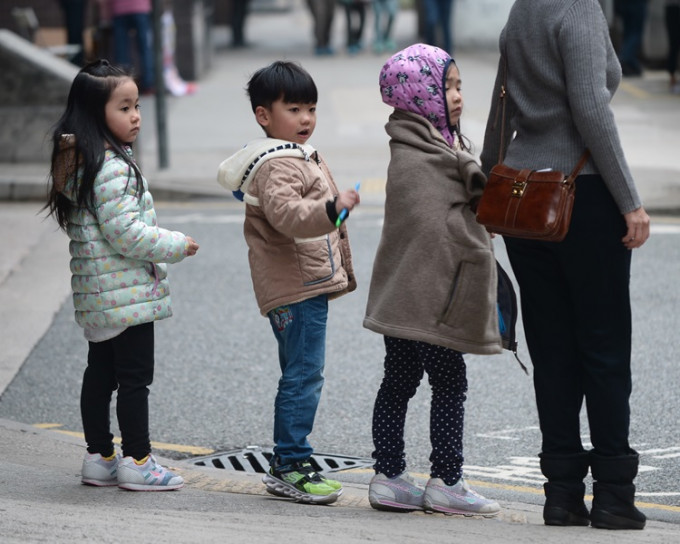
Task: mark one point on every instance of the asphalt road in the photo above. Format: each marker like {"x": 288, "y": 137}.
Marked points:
{"x": 217, "y": 369}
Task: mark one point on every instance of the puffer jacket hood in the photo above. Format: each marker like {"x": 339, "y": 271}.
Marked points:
{"x": 65, "y": 163}
{"x": 414, "y": 80}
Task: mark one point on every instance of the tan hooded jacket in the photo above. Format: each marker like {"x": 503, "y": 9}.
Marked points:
{"x": 295, "y": 251}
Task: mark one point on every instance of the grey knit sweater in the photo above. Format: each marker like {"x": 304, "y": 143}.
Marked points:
{"x": 562, "y": 74}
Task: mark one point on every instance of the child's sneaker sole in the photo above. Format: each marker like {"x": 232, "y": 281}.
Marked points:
{"x": 142, "y": 487}
{"x": 99, "y": 483}
{"x": 280, "y": 488}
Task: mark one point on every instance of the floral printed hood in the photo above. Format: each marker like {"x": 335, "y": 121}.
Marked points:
{"x": 413, "y": 80}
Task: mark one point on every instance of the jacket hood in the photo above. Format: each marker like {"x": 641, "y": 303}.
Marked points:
{"x": 65, "y": 162}
{"x": 236, "y": 172}
{"x": 414, "y": 80}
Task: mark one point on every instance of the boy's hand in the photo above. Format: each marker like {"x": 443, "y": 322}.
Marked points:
{"x": 193, "y": 246}
{"x": 347, "y": 199}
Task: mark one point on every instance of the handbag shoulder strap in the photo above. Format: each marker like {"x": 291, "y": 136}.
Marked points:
{"x": 502, "y": 98}
{"x": 581, "y": 163}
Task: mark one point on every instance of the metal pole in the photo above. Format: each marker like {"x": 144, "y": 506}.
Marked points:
{"x": 161, "y": 105}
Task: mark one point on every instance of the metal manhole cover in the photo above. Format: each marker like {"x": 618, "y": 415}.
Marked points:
{"x": 255, "y": 459}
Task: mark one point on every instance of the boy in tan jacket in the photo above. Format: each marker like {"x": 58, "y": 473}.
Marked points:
{"x": 299, "y": 259}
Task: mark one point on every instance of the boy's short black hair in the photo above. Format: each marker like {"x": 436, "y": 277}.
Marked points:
{"x": 281, "y": 80}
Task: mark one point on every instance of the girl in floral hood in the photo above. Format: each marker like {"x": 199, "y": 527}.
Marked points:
{"x": 433, "y": 289}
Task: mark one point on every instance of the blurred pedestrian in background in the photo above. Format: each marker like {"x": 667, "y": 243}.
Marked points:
{"x": 355, "y": 13}
{"x": 74, "y": 18}
{"x": 128, "y": 15}
{"x": 672, "y": 17}
{"x": 239, "y": 11}
{"x": 438, "y": 23}
{"x": 174, "y": 83}
{"x": 633, "y": 14}
{"x": 384, "y": 14}
{"x": 322, "y": 13}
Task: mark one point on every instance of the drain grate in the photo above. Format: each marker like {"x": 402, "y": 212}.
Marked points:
{"x": 255, "y": 459}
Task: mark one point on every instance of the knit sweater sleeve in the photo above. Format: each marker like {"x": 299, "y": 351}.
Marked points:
{"x": 589, "y": 68}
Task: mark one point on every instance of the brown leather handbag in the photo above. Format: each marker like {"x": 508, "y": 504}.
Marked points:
{"x": 526, "y": 203}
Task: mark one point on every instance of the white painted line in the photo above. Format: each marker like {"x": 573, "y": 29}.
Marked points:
{"x": 659, "y": 450}
{"x": 659, "y": 494}
{"x": 507, "y": 434}
{"x": 664, "y": 229}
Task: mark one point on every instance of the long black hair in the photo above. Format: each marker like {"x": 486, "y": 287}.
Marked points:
{"x": 85, "y": 120}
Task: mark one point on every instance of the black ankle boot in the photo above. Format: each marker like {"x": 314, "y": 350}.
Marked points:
{"x": 564, "y": 504}
{"x": 565, "y": 489}
{"x": 614, "y": 493}
{"x": 614, "y": 507}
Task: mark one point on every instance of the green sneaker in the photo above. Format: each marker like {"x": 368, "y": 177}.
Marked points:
{"x": 331, "y": 483}
{"x": 306, "y": 466}
{"x": 301, "y": 482}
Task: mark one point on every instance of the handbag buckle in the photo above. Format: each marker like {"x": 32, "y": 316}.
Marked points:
{"x": 518, "y": 188}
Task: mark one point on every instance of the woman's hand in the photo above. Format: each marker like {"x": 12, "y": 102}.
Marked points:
{"x": 637, "y": 222}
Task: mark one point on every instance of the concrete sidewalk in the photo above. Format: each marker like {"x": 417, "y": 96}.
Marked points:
{"x": 42, "y": 500}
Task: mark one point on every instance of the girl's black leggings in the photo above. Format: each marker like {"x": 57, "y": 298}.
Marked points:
{"x": 124, "y": 363}
{"x": 405, "y": 364}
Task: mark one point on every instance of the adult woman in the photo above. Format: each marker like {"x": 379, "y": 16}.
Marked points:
{"x": 561, "y": 74}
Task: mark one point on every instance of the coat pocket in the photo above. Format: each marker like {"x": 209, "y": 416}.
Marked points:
{"x": 315, "y": 258}
{"x": 470, "y": 298}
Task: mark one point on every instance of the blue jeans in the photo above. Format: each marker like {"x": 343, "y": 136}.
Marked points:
{"x": 141, "y": 23}
{"x": 300, "y": 331}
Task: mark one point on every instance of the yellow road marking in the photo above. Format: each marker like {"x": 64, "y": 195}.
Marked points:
{"x": 635, "y": 91}
{"x": 181, "y": 448}
{"x": 198, "y": 450}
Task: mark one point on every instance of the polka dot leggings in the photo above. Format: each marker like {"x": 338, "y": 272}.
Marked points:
{"x": 405, "y": 364}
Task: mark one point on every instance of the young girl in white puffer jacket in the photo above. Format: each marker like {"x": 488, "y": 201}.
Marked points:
{"x": 100, "y": 198}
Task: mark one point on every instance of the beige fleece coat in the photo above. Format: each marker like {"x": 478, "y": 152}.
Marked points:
{"x": 434, "y": 276}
